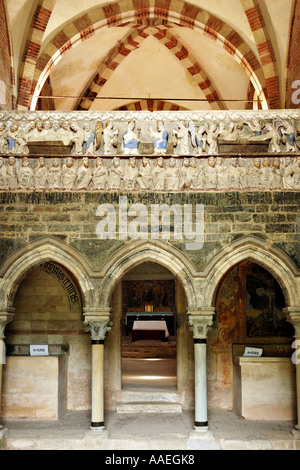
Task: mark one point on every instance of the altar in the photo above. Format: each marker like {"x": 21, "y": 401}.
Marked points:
{"x": 150, "y": 329}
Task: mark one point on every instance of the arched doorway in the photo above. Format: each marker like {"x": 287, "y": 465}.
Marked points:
{"x": 43, "y": 343}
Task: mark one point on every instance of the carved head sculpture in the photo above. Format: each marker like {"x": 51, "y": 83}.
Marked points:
{"x": 2, "y": 126}
{"x": 160, "y": 162}
{"x": 69, "y": 162}
{"x": 47, "y": 125}
{"x": 85, "y": 162}
{"x": 132, "y": 162}
{"x": 25, "y": 161}
{"x": 186, "y": 162}
{"x": 11, "y": 161}
{"x": 99, "y": 161}
{"x": 13, "y": 128}
{"x": 116, "y": 161}
{"x": 172, "y": 162}
{"x": 55, "y": 162}
{"x": 266, "y": 162}
{"x": 257, "y": 162}
{"x": 219, "y": 161}
{"x": 41, "y": 161}
{"x": 212, "y": 161}
{"x": 298, "y": 161}
{"x": 131, "y": 125}
{"x": 276, "y": 163}
{"x": 193, "y": 162}
{"x": 160, "y": 126}
{"x": 145, "y": 161}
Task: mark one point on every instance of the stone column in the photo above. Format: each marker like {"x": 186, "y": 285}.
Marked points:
{"x": 200, "y": 322}
{"x": 4, "y": 319}
{"x": 293, "y": 316}
{"x": 98, "y": 326}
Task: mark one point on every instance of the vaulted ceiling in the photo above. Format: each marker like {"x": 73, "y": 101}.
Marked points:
{"x": 153, "y": 54}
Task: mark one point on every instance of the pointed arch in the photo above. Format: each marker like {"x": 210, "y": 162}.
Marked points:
{"x": 124, "y": 12}
{"x": 253, "y": 249}
{"x": 137, "y": 252}
{"x": 16, "y": 267}
{"x": 129, "y": 44}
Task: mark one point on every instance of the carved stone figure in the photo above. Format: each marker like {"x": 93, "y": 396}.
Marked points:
{"x": 159, "y": 175}
{"x": 272, "y": 136}
{"x": 255, "y": 126}
{"x": 254, "y": 174}
{"x": 25, "y": 175}
{"x": 89, "y": 140}
{"x": 110, "y": 138}
{"x": 197, "y": 176}
{"x": 77, "y": 137}
{"x": 100, "y": 175}
{"x": 115, "y": 175}
{"x": 69, "y": 174}
{"x": 3, "y": 184}
{"x": 266, "y": 174}
{"x": 212, "y": 139}
{"x": 131, "y": 141}
{"x": 11, "y": 137}
{"x": 277, "y": 178}
{"x": 288, "y": 136}
{"x": 41, "y": 175}
{"x": 172, "y": 176}
{"x": 84, "y": 175}
{"x": 181, "y": 139}
{"x": 160, "y": 136}
{"x": 54, "y": 175}
{"x": 292, "y": 175}
{"x": 3, "y": 138}
{"x": 145, "y": 175}
{"x": 211, "y": 174}
{"x": 201, "y": 140}
{"x": 131, "y": 175}
{"x": 11, "y": 173}
{"x": 221, "y": 169}
{"x": 233, "y": 174}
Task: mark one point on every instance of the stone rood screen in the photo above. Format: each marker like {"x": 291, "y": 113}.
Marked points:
{"x": 144, "y": 151}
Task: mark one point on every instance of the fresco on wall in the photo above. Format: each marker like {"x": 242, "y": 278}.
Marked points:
{"x": 264, "y": 304}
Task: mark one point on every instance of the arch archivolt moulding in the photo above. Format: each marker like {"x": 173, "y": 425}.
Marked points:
{"x": 17, "y": 266}
{"x": 266, "y": 255}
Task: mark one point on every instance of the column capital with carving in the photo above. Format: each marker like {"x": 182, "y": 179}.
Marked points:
{"x": 293, "y": 316}
{"x": 5, "y": 317}
{"x": 200, "y": 322}
{"x": 98, "y": 327}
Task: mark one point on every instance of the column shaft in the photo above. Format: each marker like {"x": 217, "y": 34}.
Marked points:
{"x": 97, "y": 384}
{"x": 200, "y": 384}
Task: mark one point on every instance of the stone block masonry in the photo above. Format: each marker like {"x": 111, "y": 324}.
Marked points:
{"x": 71, "y": 218}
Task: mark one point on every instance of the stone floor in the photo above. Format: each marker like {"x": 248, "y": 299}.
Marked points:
{"x": 152, "y": 430}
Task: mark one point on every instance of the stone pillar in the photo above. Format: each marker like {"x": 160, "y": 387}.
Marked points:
{"x": 200, "y": 322}
{"x": 4, "y": 319}
{"x": 98, "y": 326}
{"x": 293, "y": 316}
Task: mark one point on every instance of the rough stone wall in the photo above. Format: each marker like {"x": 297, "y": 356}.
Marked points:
{"x": 71, "y": 218}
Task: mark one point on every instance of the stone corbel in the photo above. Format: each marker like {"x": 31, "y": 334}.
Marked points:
{"x": 293, "y": 316}
{"x": 200, "y": 322}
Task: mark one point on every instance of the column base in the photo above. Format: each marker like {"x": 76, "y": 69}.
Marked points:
{"x": 201, "y": 426}
{"x": 97, "y": 426}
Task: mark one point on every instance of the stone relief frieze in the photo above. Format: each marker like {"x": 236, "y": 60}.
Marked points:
{"x": 150, "y": 134}
{"x": 186, "y": 173}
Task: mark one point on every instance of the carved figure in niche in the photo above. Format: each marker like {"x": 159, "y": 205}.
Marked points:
{"x": 221, "y": 171}
{"x": 272, "y": 136}
{"x": 89, "y": 140}
{"x": 276, "y": 182}
{"x": 64, "y": 133}
{"x": 131, "y": 175}
{"x": 254, "y": 174}
{"x": 115, "y": 175}
{"x": 288, "y": 136}
{"x": 211, "y": 174}
{"x": 11, "y": 136}
{"x": 159, "y": 175}
{"x": 131, "y": 141}
{"x": 11, "y": 173}
{"x": 84, "y": 174}
{"x": 291, "y": 177}
{"x": 172, "y": 176}
{"x": 160, "y": 136}
{"x": 54, "y": 175}
{"x": 243, "y": 173}
{"x": 181, "y": 139}
{"x": 233, "y": 174}
{"x": 68, "y": 174}
{"x": 3, "y": 184}
{"x": 110, "y": 138}
{"x": 3, "y": 138}
{"x": 100, "y": 175}
{"x": 77, "y": 137}
{"x": 25, "y": 175}
{"x": 185, "y": 179}
{"x": 145, "y": 175}
{"x": 41, "y": 175}
{"x": 212, "y": 139}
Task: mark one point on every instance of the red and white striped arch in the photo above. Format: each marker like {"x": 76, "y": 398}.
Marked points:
{"x": 141, "y": 11}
